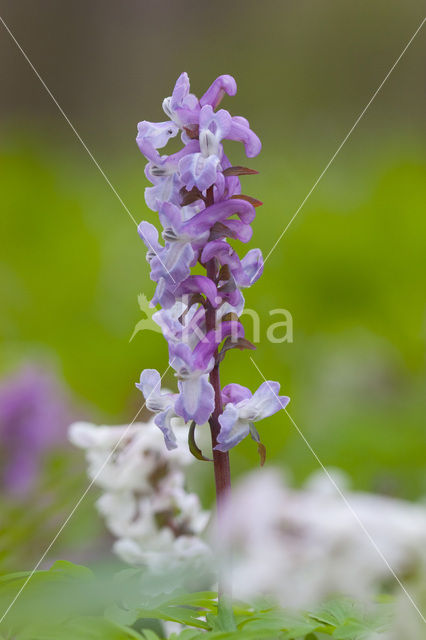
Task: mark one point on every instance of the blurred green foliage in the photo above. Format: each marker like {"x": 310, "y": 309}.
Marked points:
{"x": 30, "y": 523}
{"x": 70, "y": 601}
{"x": 350, "y": 269}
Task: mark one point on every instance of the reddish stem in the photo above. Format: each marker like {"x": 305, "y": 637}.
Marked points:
{"x": 222, "y": 471}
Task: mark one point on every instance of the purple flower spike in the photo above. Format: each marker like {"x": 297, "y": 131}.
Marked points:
{"x": 197, "y": 194}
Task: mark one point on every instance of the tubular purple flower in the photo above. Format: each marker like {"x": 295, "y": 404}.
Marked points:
{"x": 163, "y": 172}
{"x": 196, "y": 394}
{"x": 237, "y": 420}
{"x": 171, "y": 263}
{"x": 214, "y": 94}
{"x": 205, "y": 349}
{"x": 243, "y": 271}
{"x": 154, "y": 135}
{"x": 205, "y": 219}
{"x": 203, "y": 285}
{"x": 181, "y": 323}
{"x": 182, "y": 107}
{"x": 175, "y": 229}
{"x": 241, "y": 132}
{"x": 199, "y": 171}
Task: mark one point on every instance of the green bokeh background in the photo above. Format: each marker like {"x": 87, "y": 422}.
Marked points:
{"x": 350, "y": 269}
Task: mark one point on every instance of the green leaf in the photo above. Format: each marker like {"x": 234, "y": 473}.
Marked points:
{"x": 118, "y": 615}
{"x": 194, "y": 449}
{"x": 187, "y": 634}
{"x": 205, "y": 599}
{"x": 148, "y": 634}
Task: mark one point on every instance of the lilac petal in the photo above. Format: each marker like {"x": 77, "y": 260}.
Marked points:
{"x": 165, "y": 189}
{"x": 171, "y": 163}
{"x": 240, "y": 231}
{"x": 243, "y": 121}
{"x": 227, "y": 307}
{"x": 213, "y": 127}
{"x": 149, "y": 383}
{"x": 201, "y": 284}
{"x": 225, "y": 254}
{"x": 266, "y": 401}
{"x": 218, "y": 212}
{"x": 182, "y": 107}
{"x": 219, "y": 122}
{"x": 196, "y": 399}
{"x": 181, "y": 89}
{"x": 177, "y": 260}
{"x": 252, "y": 263}
{"x": 232, "y": 184}
{"x": 235, "y": 298}
{"x": 241, "y": 132}
{"x": 168, "y": 321}
{"x": 213, "y": 249}
{"x": 170, "y": 216}
{"x": 163, "y": 420}
{"x": 198, "y": 171}
{"x": 205, "y": 349}
{"x": 232, "y": 328}
{"x": 232, "y": 429}
{"x": 149, "y": 235}
{"x": 203, "y": 352}
{"x": 234, "y": 393}
{"x": 150, "y": 386}
{"x": 180, "y": 357}
{"x": 254, "y": 433}
{"x": 216, "y": 91}
{"x": 154, "y": 135}
{"x": 172, "y": 263}
{"x": 163, "y": 295}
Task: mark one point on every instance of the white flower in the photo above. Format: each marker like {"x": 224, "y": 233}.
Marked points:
{"x": 144, "y": 504}
{"x": 311, "y": 537}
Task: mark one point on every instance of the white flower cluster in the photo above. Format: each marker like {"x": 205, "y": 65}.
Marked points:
{"x": 145, "y": 505}
{"x": 304, "y": 546}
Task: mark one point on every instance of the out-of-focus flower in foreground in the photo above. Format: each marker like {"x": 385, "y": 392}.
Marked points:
{"x": 303, "y": 546}
{"x": 145, "y": 505}
{"x": 34, "y": 415}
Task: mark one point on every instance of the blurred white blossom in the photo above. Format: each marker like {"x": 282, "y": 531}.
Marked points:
{"x": 144, "y": 504}
{"x": 303, "y": 546}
